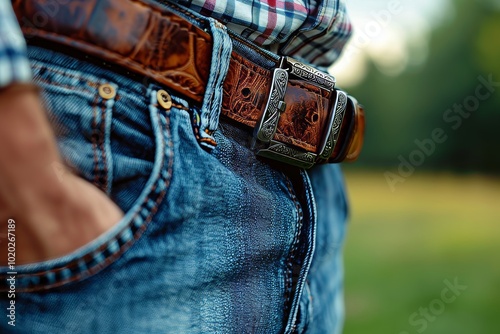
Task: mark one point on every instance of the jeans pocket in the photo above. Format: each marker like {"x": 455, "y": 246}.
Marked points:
{"x": 118, "y": 140}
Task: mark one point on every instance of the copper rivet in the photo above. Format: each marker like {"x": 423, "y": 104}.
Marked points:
{"x": 164, "y": 99}
{"x": 106, "y": 91}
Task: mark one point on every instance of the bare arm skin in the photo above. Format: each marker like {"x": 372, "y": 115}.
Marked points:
{"x": 54, "y": 216}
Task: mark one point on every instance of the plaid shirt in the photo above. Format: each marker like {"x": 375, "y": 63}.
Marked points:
{"x": 313, "y": 31}
{"x": 14, "y": 65}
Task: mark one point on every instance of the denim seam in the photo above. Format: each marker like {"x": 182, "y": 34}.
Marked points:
{"x": 94, "y": 139}
{"x": 48, "y": 69}
{"x": 291, "y": 256}
{"x": 309, "y": 198}
{"x": 306, "y": 311}
{"x": 91, "y": 255}
{"x": 69, "y": 75}
{"x": 308, "y": 249}
{"x": 211, "y": 96}
{"x": 102, "y": 137}
{"x": 107, "y": 123}
{"x": 311, "y": 298}
{"x": 64, "y": 86}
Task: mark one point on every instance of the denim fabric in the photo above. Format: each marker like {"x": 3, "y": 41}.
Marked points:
{"x": 326, "y": 276}
{"x": 212, "y": 241}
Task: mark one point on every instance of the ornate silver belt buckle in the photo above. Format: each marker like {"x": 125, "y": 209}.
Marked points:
{"x": 266, "y": 128}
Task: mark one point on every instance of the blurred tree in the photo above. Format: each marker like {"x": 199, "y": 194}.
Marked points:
{"x": 403, "y": 109}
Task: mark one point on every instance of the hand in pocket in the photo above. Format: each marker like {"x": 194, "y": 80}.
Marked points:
{"x": 55, "y": 211}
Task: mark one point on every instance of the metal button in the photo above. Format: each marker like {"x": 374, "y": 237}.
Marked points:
{"x": 106, "y": 91}
{"x": 164, "y": 99}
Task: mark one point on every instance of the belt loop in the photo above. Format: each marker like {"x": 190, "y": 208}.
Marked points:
{"x": 212, "y": 101}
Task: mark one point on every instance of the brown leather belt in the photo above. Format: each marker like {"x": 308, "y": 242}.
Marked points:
{"x": 295, "y": 109}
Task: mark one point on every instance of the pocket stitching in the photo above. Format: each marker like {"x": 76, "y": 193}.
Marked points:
{"x": 67, "y": 75}
{"x": 135, "y": 222}
{"x": 99, "y": 147}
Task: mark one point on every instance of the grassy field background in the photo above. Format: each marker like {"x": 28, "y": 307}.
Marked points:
{"x": 403, "y": 245}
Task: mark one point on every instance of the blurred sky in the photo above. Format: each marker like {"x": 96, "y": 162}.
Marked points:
{"x": 394, "y": 33}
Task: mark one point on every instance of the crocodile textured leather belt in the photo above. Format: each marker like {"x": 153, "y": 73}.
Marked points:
{"x": 295, "y": 110}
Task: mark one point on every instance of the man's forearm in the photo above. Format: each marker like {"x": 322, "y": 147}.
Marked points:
{"x": 27, "y": 150}
{"x": 54, "y": 216}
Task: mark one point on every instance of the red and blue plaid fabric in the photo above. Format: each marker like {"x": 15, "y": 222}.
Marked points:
{"x": 314, "y": 31}
{"x": 309, "y": 30}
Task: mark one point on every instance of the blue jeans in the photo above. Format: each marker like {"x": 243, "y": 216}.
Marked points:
{"x": 212, "y": 241}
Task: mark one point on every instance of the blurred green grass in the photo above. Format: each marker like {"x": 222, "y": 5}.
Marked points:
{"x": 402, "y": 245}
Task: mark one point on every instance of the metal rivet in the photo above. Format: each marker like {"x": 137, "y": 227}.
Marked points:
{"x": 164, "y": 99}
{"x": 106, "y": 91}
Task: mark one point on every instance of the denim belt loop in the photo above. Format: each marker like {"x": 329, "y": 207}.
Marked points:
{"x": 212, "y": 102}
